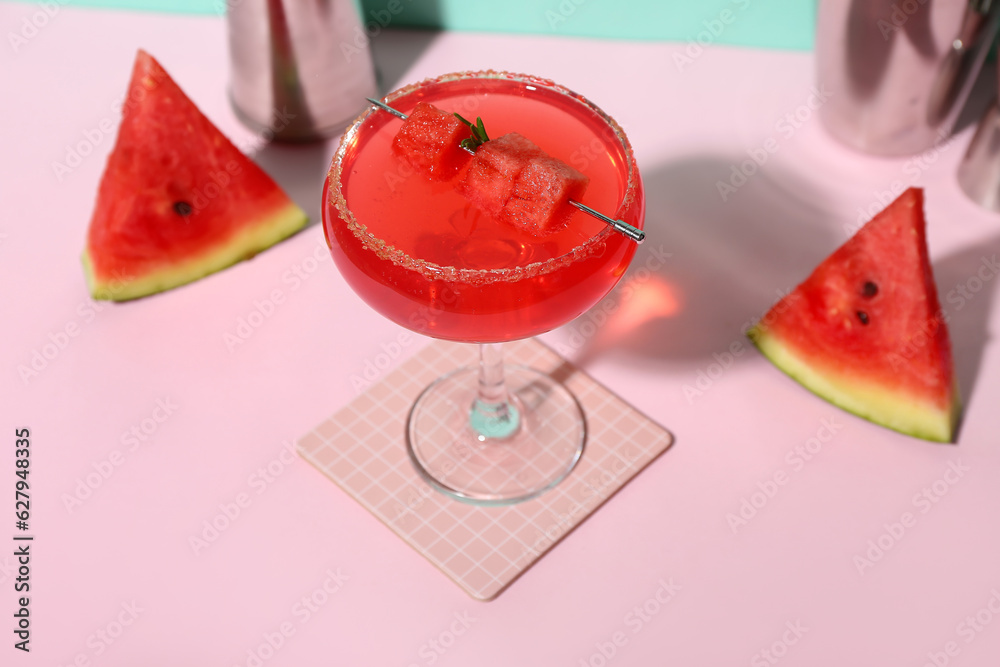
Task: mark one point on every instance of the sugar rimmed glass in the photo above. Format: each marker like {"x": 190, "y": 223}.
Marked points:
{"x": 420, "y": 254}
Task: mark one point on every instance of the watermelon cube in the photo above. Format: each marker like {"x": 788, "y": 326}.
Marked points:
{"x": 429, "y": 141}
{"x": 490, "y": 179}
{"x": 515, "y": 181}
{"x": 539, "y": 200}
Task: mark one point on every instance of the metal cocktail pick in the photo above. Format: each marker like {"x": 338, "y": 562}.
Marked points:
{"x": 619, "y": 226}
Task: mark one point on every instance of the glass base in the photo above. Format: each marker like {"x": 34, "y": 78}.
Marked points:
{"x": 514, "y": 454}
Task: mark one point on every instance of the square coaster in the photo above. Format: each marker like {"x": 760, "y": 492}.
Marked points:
{"x": 483, "y": 549}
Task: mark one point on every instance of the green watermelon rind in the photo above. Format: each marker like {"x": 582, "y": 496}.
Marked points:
{"x": 248, "y": 241}
{"x": 900, "y": 412}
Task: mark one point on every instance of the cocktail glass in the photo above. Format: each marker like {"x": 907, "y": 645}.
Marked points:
{"x": 418, "y": 252}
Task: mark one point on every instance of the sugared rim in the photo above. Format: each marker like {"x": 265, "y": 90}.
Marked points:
{"x": 441, "y": 272}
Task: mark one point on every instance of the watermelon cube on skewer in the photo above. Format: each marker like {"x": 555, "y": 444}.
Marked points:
{"x": 430, "y": 140}
{"x": 510, "y": 177}
{"x": 539, "y": 202}
{"x": 518, "y": 183}
{"x": 490, "y": 179}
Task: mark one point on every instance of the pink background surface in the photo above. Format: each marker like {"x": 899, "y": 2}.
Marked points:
{"x": 233, "y": 413}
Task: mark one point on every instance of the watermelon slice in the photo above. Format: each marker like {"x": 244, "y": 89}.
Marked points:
{"x": 866, "y": 332}
{"x": 430, "y": 141}
{"x": 177, "y": 200}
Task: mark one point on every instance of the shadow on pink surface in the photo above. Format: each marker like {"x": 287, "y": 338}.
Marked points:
{"x": 300, "y": 170}
{"x": 966, "y": 281}
{"x": 712, "y": 262}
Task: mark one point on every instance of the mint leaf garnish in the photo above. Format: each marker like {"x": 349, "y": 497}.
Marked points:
{"x": 479, "y": 136}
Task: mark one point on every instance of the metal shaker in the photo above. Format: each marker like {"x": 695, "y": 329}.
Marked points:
{"x": 300, "y": 69}
{"x": 979, "y": 171}
{"x": 899, "y": 71}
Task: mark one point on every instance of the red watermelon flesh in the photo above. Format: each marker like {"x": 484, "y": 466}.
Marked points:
{"x": 866, "y": 331}
{"x": 177, "y": 200}
{"x": 517, "y": 182}
{"x": 489, "y": 182}
{"x": 539, "y": 200}
{"x": 430, "y": 141}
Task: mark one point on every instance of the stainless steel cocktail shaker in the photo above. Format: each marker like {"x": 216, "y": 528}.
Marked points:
{"x": 899, "y": 71}
{"x": 301, "y": 69}
{"x": 979, "y": 171}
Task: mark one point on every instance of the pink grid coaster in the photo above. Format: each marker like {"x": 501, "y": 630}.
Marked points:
{"x": 482, "y": 549}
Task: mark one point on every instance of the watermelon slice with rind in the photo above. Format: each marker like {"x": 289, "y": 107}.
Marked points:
{"x": 430, "y": 140}
{"x": 866, "y": 331}
{"x": 177, "y": 200}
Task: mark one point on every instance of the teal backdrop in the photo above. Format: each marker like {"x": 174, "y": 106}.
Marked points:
{"x": 778, "y": 24}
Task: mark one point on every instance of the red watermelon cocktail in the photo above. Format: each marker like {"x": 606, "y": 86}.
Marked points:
{"x": 422, "y": 232}
{"x": 422, "y": 255}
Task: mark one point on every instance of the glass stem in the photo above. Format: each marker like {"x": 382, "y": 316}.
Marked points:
{"x": 493, "y": 415}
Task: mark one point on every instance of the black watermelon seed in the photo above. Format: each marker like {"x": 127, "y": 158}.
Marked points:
{"x": 183, "y": 208}
{"x": 863, "y": 316}
{"x": 869, "y": 289}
